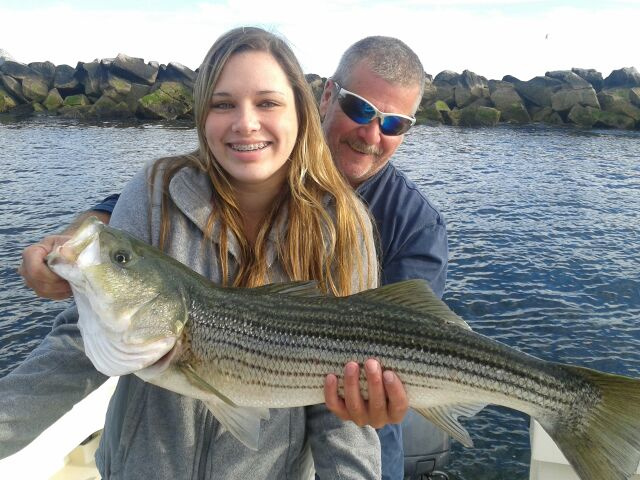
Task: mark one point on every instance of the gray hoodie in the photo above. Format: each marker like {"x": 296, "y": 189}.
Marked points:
{"x": 154, "y": 433}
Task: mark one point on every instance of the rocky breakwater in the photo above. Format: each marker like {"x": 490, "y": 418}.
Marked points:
{"x": 119, "y": 88}
{"x": 579, "y": 97}
{"x": 127, "y": 87}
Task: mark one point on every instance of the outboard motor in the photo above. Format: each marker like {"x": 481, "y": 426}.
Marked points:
{"x": 426, "y": 448}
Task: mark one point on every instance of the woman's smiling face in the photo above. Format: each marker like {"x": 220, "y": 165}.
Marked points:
{"x": 252, "y": 125}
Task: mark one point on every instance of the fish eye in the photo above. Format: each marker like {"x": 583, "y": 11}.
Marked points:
{"x": 122, "y": 257}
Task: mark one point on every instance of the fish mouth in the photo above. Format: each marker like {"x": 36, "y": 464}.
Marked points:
{"x": 70, "y": 251}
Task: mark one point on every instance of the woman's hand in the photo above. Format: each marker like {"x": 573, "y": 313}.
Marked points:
{"x": 387, "y": 401}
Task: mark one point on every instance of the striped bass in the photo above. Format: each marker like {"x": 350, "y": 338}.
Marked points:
{"x": 243, "y": 351}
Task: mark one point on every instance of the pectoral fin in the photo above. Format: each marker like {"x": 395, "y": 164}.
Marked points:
{"x": 201, "y": 384}
{"x": 242, "y": 422}
{"x": 446, "y": 417}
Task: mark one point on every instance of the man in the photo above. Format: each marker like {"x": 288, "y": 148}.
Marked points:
{"x": 375, "y": 75}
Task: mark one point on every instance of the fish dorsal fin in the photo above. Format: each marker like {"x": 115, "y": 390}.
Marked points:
{"x": 241, "y": 422}
{"x": 298, "y": 289}
{"x": 415, "y": 295}
{"x": 446, "y": 417}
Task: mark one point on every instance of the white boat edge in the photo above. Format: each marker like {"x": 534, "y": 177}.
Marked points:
{"x": 547, "y": 461}
{"x": 51, "y": 455}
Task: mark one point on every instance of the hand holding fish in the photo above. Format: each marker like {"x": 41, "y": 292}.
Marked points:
{"x": 387, "y": 400}
{"x": 37, "y": 275}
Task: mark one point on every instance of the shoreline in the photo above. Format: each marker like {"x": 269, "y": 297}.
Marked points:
{"x": 128, "y": 88}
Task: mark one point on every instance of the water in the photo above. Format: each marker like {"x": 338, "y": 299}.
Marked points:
{"x": 543, "y": 228}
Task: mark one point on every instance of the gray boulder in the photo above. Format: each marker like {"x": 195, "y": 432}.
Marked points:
{"x": 35, "y": 88}
{"x": 469, "y": 88}
{"x": 134, "y": 69}
{"x": 115, "y": 86}
{"x": 12, "y": 87}
{"x": 479, "y": 117}
{"x": 53, "y": 101}
{"x": 176, "y": 72}
{"x": 634, "y": 96}
{"x": 618, "y": 101}
{"x": 538, "y": 90}
{"x": 316, "y": 82}
{"x": 79, "y": 100}
{"x": 568, "y": 78}
{"x": 430, "y": 93}
{"x": 506, "y": 99}
{"x": 170, "y": 101}
{"x": 574, "y": 90}
{"x": 566, "y": 98}
{"x": 91, "y": 75}
{"x": 622, "y": 78}
{"x": 590, "y": 75}
{"x": 46, "y": 70}
{"x": 65, "y": 80}
{"x": 7, "y": 102}
{"x": 16, "y": 70}
{"x": 614, "y": 120}
{"x": 546, "y": 115}
{"x": 106, "y": 108}
{"x": 445, "y": 83}
{"x": 584, "y": 116}
{"x": 510, "y": 79}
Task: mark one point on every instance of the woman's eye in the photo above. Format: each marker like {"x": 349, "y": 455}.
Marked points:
{"x": 121, "y": 257}
{"x": 221, "y": 105}
{"x": 268, "y": 104}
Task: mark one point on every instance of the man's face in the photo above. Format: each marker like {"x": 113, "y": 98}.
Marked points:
{"x": 360, "y": 151}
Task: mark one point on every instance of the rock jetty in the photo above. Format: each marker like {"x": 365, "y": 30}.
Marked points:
{"x": 127, "y": 87}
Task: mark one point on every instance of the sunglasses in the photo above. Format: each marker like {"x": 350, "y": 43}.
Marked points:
{"x": 362, "y": 112}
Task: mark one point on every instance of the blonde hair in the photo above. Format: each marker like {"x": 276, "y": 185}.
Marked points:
{"x": 315, "y": 245}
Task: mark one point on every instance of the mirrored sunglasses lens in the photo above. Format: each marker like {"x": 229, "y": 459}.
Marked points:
{"x": 393, "y": 125}
{"x": 356, "y": 109}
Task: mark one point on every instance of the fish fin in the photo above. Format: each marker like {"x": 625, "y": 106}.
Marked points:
{"x": 606, "y": 444}
{"x": 446, "y": 417}
{"x": 198, "y": 382}
{"x": 241, "y": 422}
{"x": 297, "y": 289}
{"x": 415, "y": 295}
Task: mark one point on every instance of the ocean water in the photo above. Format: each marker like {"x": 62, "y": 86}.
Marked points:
{"x": 543, "y": 230}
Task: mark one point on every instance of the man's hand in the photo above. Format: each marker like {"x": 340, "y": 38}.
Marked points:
{"x": 37, "y": 274}
{"x": 387, "y": 401}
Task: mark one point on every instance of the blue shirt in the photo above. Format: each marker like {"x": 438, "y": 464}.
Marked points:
{"x": 413, "y": 244}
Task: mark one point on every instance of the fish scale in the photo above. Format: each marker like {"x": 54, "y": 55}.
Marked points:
{"x": 259, "y": 326}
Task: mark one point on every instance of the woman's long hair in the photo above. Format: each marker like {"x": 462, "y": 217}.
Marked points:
{"x": 315, "y": 246}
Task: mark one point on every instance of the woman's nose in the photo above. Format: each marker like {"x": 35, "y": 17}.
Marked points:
{"x": 246, "y": 120}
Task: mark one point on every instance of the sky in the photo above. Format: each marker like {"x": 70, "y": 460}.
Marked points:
{"x": 523, "y": 38}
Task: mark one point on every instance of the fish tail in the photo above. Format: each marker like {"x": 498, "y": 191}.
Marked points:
{"x": 606, "y": 442}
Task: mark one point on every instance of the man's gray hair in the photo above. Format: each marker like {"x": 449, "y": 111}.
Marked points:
{"x": 387, "y": 57}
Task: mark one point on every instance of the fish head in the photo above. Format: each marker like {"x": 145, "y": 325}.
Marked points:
{"x": 132, "y": 307}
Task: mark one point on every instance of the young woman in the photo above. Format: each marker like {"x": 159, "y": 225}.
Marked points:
{"x": 260, "y": 201}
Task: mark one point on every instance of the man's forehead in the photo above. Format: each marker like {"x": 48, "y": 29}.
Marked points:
{"x": 403, "y": 98}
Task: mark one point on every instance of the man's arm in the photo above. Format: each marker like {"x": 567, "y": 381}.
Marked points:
{"x": 35, "y": 272}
